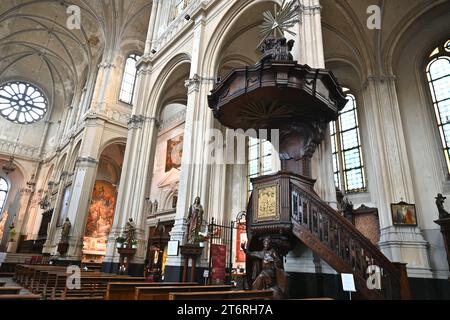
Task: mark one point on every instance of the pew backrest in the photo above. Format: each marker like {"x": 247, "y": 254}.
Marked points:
{"x": 20, "y": 297}
{"x": 162, "y": 293}
{"x": 8, "y": 291}
{"x": 126, "y": 291}
{"x": 227, "y": 295}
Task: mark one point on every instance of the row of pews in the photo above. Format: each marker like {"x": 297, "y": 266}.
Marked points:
{"x": 47, "y": 282}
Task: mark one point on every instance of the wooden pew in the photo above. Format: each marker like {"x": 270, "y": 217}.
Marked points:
{"x": 57, "y": 282}
{"x": 40, "y": 278}
{"x": 162, "y": 293}
{"x": 228, "y": 295}
{"x": 6, "y": 275}
{"x": 20, "y": 297}
{"x": 95, "y": 287}
{"x": 125, "y": 291}
{"x": 8, "y": 291}
{"x": 32, "y": 275}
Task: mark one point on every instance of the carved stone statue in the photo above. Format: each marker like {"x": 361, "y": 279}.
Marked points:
{"x": 130, "y": 232}
{"x": 44, "y": 204}
{"x": 271, "y": 266}
{"x": 277, "y": 49}
{"x": 155, "y": 207}
{"x": 66, "y": 230}
{"x": 195, "y": 220}
{"x": 440, "y": 200}
{"x": 150, "y": 207}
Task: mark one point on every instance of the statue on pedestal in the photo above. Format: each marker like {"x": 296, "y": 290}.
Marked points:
{"x": 440, "y": 200}
{"x": 130, "y": 232}
{"x": 66, "y": 230}
{"x": 195, "y": 220}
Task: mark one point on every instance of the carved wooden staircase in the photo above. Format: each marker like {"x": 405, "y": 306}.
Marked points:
{"x": 332, "y": 237}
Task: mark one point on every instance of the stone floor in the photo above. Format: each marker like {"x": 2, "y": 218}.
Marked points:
{"x": 9, "y": 282}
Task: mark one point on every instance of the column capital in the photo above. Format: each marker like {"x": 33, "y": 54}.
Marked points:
{"x": 310, "y": 9}
{"x": 378, "y": 79}
{"x": 144, "y": 65}
{"x": 25, "y": 191}
{"x": 85, "y": 162}
{"x": 106, "y": 65}
{"x": 63, "y": 175}
{"x": 193, "y": 84}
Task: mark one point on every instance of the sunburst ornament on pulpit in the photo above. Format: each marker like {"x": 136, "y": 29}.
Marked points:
{"x": 278, "y": 23}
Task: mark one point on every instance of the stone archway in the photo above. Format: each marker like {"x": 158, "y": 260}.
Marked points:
{"x": 103, "y": 204}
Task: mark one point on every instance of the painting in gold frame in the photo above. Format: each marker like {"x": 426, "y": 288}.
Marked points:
{"x": 267, "y": 203}
{"x": 404, "y": 214}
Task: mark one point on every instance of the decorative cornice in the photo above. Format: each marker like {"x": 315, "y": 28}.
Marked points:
{"x": 109, "y": 115}
{"x": 137, "y": 121}
{"x": 20, "y": 150}
{"x": 176, "y": 119}
{"x": 179, "y": 23}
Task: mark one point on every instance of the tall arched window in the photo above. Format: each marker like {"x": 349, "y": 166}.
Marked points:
{"x": 259, "y": 159}
{"x": 129, "y": 79}
{"x": 348, "y": 161}
{"x": 438, "y": 74}
{"x": 3, "y": 193}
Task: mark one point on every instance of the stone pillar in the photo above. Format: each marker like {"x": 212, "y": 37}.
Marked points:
{"x": 195, "y": 173}
{"x": 49, "y": 247}
{"x": 15, "y": 215}
{"x": 444, "y": 223}
{"x": 392, "y": 181}
{"x": 151, "y": 27}
{"x": 136, "y": 176}
{"x": 104, "y": 87}
{"x": 308, "y": 49}
{"x": 83, "y": 184}
{"x": 155, "y": 31}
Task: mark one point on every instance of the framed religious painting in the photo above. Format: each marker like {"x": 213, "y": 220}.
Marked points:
{"x": 404, "y": 214}
{"x": 174, "y": 153}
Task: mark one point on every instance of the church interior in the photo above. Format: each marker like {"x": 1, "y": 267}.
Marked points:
{"x": 116, "y": 117}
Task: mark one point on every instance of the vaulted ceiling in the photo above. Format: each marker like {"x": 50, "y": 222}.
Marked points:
{"x": 37, "y": 45}
{"x": 354, "y": 52}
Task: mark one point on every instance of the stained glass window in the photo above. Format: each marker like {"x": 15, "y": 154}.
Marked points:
{"x": 348, "y": 164}
{"x": 438, "y": 74}
{"x": 22, "y": 102}
{"x": 259, "y": 159}
{"x": 129, "y": 79}
{"x": 3, "y": 193}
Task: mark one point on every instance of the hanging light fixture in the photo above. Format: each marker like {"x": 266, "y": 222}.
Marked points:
{"x": 10, "y": 166}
